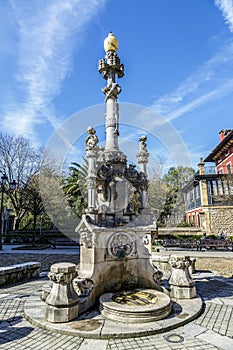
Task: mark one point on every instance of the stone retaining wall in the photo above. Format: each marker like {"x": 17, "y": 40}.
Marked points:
{"x": 16, "y": 273}
{"x": 221, "y": 220}
{"x": 183, "y": 231}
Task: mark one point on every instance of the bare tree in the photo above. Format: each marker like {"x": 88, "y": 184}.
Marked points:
{"x": 32, "y": 201}
{"x": 157, "y": 193}
{"x": 51, "y": 179}
{"x": 157, "y": 190}
{"x": 20, "y": 161}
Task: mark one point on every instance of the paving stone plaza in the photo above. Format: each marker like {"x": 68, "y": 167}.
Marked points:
{"x": 213, "y": 329}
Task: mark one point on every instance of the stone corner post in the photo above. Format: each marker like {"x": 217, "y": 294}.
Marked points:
{"x": 62, "y": 302}
{"x": 182, "y": 284}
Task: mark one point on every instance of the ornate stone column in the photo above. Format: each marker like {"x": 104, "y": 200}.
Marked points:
{"x": 206, "y": 220}
{"x": 182, "y": 284}
{"x": 142, "y": 159}
{"x": 62, "y": 302}
{"x": 91, "y": 154}
{"x": 143, "y": 154}
{"x": 110, "y": 66}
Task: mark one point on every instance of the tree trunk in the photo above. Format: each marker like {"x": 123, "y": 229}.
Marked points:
{"x": 34, "y": 229}
{"x": 16, "y": 223}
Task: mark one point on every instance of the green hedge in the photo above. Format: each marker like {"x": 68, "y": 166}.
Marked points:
{"x": 28, "y": 236}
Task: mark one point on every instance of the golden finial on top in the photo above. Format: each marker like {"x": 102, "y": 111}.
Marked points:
{"x": 110, "y": 43}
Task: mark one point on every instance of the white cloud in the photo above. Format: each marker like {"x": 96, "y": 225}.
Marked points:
{"x": 208, "y": 82}
{"x": 226, "y": 6}
{"x": 221, "y": 91}
{"x": 47, "y": 34}
{"x": 206, "y": 78}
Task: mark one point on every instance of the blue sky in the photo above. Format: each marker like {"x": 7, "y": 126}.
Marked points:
{"x": 178, "y": 57}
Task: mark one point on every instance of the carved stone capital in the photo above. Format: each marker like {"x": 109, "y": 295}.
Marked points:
{"x": 114, "y": 157}
{"x": 142, "y": 157}
{"x": 180, "y": 262}
{"x": 90, "y": 182}
{"x": 111, "y": 64}
{"x": 92, "y": 153}
{"x": 62, "y": 273}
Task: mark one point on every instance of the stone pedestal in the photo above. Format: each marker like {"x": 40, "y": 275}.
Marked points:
{"x": 113, "y": 259}
{"x": 62, "y": 302}
{"x": 182, "y": 285}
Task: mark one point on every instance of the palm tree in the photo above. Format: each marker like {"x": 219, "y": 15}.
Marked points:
{"x": 74, "y": 187}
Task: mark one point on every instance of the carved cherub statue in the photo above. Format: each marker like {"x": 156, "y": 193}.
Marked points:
{"x": 92, "y": 139}
{"x": 142, "y": 143}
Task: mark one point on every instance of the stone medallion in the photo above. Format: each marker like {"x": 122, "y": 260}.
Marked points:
{"x": 121, "y": 245}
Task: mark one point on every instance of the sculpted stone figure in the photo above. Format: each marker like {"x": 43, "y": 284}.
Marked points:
{"x": 112, "y": 90}
{"x": 143, "y": 154}
{"x": 92, "y": 138}
{"x": 142, "y": 143}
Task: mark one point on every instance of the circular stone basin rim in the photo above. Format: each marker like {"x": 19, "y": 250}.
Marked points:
{"x": 135, "y": 313}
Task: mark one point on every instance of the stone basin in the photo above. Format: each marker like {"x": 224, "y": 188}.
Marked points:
{"x": 135, "y": 306}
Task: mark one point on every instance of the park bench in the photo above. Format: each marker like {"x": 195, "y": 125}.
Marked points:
{"x": 63, "y": 242}
{"x": 181, "y": 243}
{"x": 215, "y": 244}
{"x": 204, "y": 243}
{"x": 16, "y": 273}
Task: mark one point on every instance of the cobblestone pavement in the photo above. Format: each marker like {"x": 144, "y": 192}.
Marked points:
{"x": 212, "y": 330}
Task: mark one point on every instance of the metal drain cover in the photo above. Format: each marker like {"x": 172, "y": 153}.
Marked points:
{"x": 174, "y": 338}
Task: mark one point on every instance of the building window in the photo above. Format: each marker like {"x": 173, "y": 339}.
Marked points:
{"x": 229, "y": 168}
{"x": 220, "y": 171}
{"x": 191, "y": 196}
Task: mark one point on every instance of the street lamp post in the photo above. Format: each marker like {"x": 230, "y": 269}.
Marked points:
{"x": 12, "y": 184}
{"x": 41, "y": 221}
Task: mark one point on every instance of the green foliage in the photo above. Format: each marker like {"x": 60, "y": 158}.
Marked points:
{"x": 74, "y": 187}
{"x": 157, "y": 193}
{"x": 186, "y": 224}
{"x": 180, "y": 237}
{"x": 176, "y": 177}
{"x": 174, "y": 207}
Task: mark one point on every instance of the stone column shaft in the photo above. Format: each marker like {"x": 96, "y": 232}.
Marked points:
{"x": 145, "y": 199}
{"x": 142, "y": 159}
{"x": 112, "y": 116}
{"x": 91, "y": 179}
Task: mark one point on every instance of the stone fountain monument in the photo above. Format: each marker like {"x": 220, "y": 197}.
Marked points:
{"x": 116, "y": 270}
{"x": 114, "y": 231}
